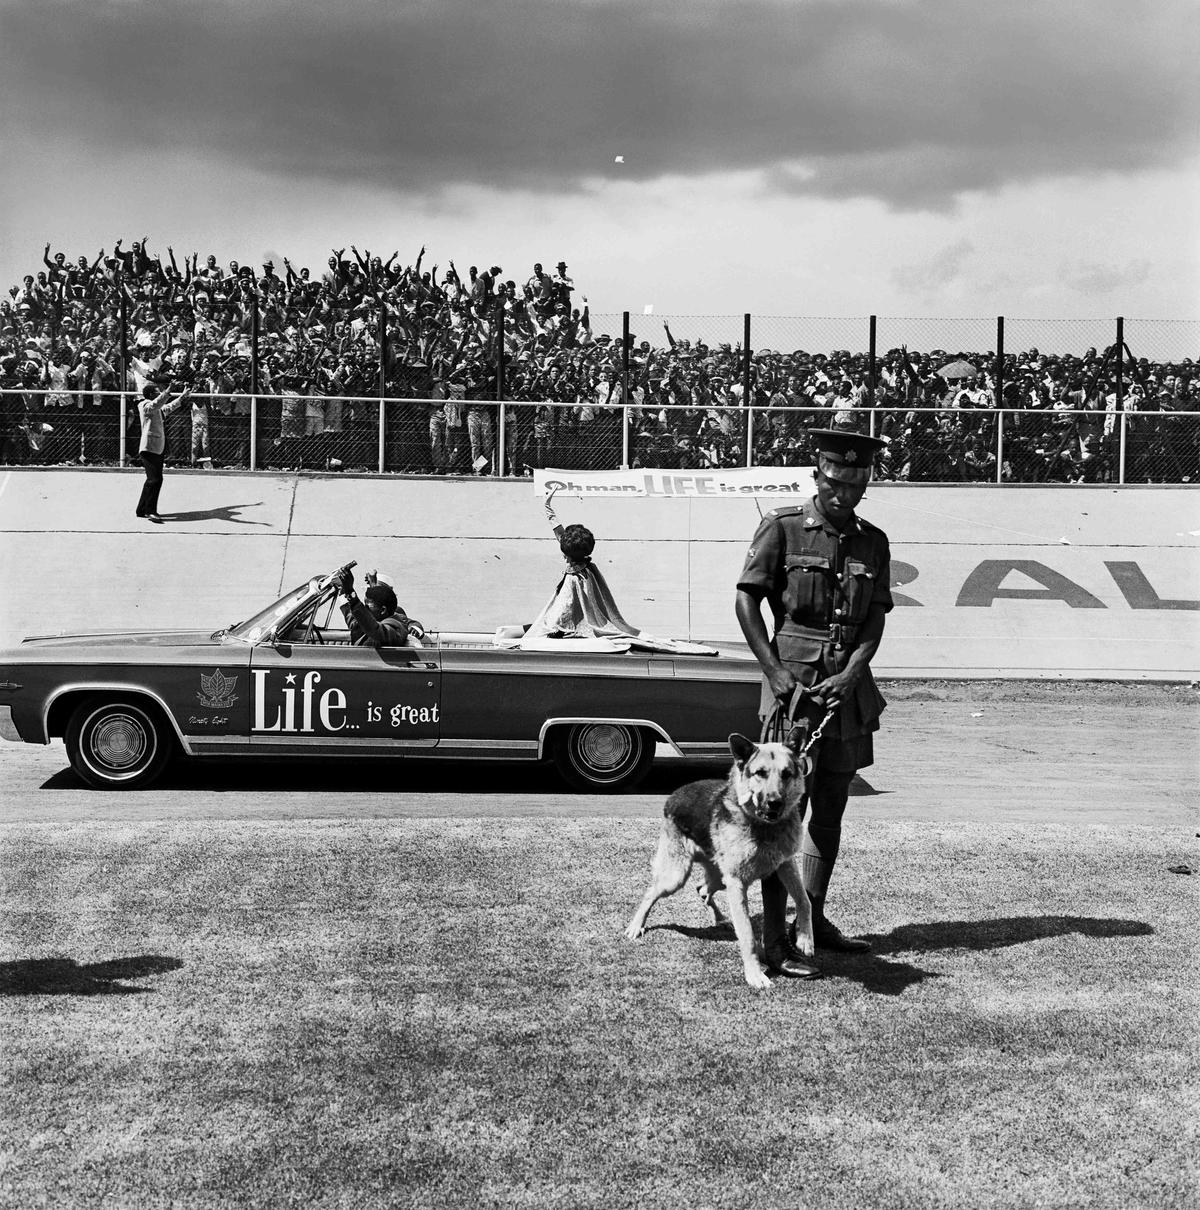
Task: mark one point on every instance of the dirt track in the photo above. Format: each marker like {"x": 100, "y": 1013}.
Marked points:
{"x": 1097, "y": 751}
{"x": 1007, "y": 750}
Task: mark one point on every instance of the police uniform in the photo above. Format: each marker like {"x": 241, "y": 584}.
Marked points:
{"x": 821, "y": 584}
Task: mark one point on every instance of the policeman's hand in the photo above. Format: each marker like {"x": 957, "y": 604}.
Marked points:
{"x": 833, "y": 690}
{"x": 372, "y": 577}
{"x": 782, "y": 682}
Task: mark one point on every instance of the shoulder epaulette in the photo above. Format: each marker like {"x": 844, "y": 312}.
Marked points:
{"x": 786, "y": 510}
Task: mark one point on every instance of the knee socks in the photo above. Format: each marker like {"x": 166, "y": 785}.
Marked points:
{"x": 818, "y": 856}
{"x": 774, "y": 917}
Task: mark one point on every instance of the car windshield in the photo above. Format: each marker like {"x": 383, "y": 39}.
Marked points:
{"x": 263, "y": 626}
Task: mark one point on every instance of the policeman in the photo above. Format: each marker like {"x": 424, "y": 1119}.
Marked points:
{"x": 826, "y": 575}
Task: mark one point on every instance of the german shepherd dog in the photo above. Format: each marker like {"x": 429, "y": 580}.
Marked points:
{"x": 739, "y": 830}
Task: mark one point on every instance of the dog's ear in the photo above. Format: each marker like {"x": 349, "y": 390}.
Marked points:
{"x": 741, "y": 747}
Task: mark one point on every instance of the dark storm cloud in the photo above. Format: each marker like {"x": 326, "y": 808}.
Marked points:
{"x": 910, "y": 101}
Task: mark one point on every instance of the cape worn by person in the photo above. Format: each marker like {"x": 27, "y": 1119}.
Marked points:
{"x": 582, "y": 607}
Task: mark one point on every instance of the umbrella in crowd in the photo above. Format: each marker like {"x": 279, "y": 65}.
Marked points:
{"x": 954, "y": 370}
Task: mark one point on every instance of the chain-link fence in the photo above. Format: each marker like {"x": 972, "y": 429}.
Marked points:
{"x": 459, "y": 436}
{"x": 375, "y": 385}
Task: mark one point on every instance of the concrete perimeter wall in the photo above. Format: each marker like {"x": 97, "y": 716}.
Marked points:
{"x": 990, "y": 581}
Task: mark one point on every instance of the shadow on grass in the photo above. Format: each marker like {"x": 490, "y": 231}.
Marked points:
{"x": 877, "y": 971}
{"x": 1002, "y": 931}
{"x": 66, "y": 977}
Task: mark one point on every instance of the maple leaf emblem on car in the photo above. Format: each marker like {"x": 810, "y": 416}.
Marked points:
{"x": 217, "y": 691}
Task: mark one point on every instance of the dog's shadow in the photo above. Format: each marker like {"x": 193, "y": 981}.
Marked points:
{"x": 66, "y": 977}
{"x": 880, "y": 972}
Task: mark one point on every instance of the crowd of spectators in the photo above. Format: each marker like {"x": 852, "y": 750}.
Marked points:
{"x": 319, "y": 351}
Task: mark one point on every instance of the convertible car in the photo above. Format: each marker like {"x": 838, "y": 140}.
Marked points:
{"x": 288, "y": 682}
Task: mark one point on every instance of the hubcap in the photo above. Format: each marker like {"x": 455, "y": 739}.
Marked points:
{"x": 120, "y": 742}
{"x": 605, "y": 747}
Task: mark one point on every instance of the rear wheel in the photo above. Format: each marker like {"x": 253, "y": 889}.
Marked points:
{"x": 117, "y": 745}
{"x": 603, "y": 756}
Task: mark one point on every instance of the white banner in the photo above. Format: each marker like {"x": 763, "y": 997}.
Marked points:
{"x": 684, "y": 484}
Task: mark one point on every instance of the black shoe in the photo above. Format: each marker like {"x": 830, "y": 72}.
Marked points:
{"x": 829, "y": 937}
{"x": 791, "y": 965}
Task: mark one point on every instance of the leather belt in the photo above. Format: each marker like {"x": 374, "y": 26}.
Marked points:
{"x": 840, "y": 634}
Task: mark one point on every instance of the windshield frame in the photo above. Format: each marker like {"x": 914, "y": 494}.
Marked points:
{"x": 264, "y": 626}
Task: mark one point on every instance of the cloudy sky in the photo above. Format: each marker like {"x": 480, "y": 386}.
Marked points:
{"x": 785, "y": 157}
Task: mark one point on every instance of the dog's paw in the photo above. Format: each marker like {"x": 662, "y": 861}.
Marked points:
{"x": 757, "y": 978}
{"x": 633, "y": 930}
{"x": 806, "y": 945}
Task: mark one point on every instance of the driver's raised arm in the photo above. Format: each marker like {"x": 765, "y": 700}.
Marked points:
{"x": 363, "y": 627}
{"x": 366, "y": 629}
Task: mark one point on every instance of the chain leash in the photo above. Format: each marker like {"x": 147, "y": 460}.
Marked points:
{"x": 817, "y": 732}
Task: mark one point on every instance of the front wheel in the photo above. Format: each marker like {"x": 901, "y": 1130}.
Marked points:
{"x": 603, "y": 756}
{"x": 117, "y": 745}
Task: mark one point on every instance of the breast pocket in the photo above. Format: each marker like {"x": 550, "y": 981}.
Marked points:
{"x": 860, "y": 589}
{"x": 807, "y": 595}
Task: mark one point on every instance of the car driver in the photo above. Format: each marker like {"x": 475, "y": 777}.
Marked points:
{"x": 376, "y": 622}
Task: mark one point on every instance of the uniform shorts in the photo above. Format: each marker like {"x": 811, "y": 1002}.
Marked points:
{"x": 847, "y": 742}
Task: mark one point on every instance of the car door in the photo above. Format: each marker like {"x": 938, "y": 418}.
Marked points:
{"x": 336, "y": 698}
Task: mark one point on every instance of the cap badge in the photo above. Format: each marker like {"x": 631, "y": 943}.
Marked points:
{"x": 850, "y": 456}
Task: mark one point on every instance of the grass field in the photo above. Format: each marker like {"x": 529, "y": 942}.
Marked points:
{"x": 444, "y": 1013}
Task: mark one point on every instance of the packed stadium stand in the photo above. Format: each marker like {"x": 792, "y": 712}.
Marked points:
{"x": 371, "y": 365}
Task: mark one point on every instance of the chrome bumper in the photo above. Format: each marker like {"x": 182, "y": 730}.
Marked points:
{"x": 7, "y": 730}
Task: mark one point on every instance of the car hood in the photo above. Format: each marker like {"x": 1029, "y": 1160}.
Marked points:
{"x": 123, "y": 638}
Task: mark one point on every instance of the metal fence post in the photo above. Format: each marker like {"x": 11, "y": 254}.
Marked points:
{"x": 747, "y": 401}
{"x": 625, "y": 390}
{"x": 499, "y": 326}
{"x": 1120, "y": 401}
{"x": 998, "y": 365}
{"x": 383, "y": 349}
{"x": 382, "y": 381}
{"x": 872, "y": 366}
{"x": 254, "y": 364}
{"x": 382, "y": 435}
{"x": 998, "y": 397}
{"x": 254, "y": 386}
{"x": 501, "y": 442}
{"x": 124, "y": 314}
